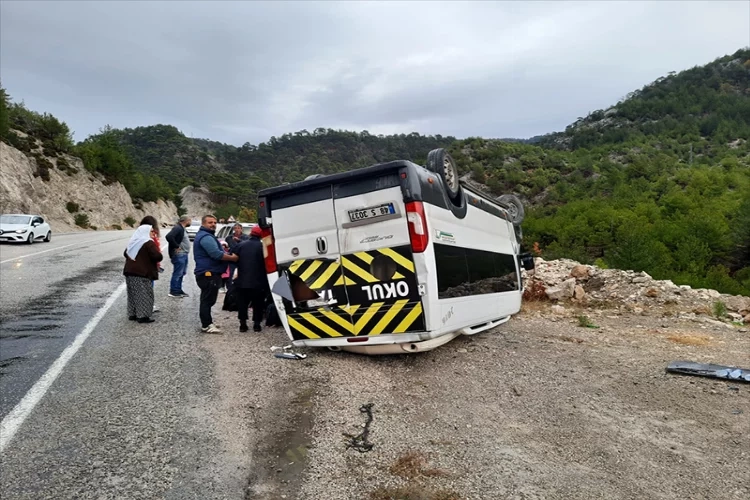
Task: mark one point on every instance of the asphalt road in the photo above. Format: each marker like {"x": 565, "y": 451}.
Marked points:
{"x": 125, "y": 417}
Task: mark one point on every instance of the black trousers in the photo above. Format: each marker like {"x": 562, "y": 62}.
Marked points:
{"x": 246, "y": 297}
{"x": 209, "y": 286}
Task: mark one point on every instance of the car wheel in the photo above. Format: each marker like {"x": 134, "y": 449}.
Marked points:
{"x": 30, "y": 239}
{"x": 48, "y": 238}
{"x": 515, "y": 207}
{"x": 441, "y": 163}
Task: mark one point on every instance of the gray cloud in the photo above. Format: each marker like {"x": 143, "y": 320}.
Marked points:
{"x": 243, "y": 71}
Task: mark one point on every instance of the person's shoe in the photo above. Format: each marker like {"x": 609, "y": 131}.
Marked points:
{"x": 132, "y": 318}
{"x": 146, "y": 320}
{"x": 210, "y": 329}
{"x": 183, "y": 294}
{"x": 257, "y": 327}
{"x": 177, "y": 294}
{"x": 243, "y": 326}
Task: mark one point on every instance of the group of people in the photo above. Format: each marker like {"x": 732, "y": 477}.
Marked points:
{"x": 242, "y": 260}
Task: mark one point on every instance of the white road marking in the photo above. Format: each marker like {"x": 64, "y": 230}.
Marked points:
{"x": 37, "y": 253}
{"x": 13, "y": 421}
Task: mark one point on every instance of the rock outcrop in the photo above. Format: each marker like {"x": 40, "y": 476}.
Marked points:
{"x": 196, "y": 201}
{"x": 566, "y": 281}
{"x": 71, "y": 190}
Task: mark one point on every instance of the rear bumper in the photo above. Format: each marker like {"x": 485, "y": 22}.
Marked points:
{"x": 397, "y": 343}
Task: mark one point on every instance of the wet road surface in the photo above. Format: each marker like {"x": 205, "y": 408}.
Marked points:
{"x": 48, "y": 292}
{"x": 137, "y": 411}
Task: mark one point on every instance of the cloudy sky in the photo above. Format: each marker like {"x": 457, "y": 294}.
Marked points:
{"x": 242, "y": 71}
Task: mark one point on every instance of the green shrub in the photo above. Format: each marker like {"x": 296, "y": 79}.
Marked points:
{"x": 72, "y": 207}
{"x": 720, "y": 309}
{"x": 129, "y": 221}
{"x": 62, "y": 162}
{"x": 82, "y": 220}
{"x": 43, "y": 166}
{"x": 117, "y": 227}
{"x": 94, "y": 228}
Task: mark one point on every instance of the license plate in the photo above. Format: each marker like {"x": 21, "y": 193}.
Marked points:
{"x": 370, "y": 213}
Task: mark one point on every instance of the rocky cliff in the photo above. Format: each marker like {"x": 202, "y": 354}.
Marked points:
{"x": 196, "y": 201}
{"x": 71, "y": 192}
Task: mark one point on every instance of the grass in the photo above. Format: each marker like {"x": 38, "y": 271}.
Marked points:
{"x": 719, "y": 309}
{"x": 585, "y": 322}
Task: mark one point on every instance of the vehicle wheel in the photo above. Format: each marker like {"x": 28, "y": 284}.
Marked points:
{"x": 48, "y": 237}
{"x": 515, "y": 207}
{"x": 441, "y": 163}
{"x": 30, "y": 239}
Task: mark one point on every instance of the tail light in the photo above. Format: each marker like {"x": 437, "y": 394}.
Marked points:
{"x": 417, "y": 226}
{"x": 269, "y": 249}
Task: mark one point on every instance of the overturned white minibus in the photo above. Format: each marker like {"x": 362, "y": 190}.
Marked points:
{"x": 391, "y": 258}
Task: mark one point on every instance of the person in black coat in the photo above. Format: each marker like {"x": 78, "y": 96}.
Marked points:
{"x": 251, "y": 284}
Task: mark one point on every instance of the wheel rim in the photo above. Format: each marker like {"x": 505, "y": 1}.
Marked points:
{"x": 513, "y": 211}
{"x": 450, "y": 174}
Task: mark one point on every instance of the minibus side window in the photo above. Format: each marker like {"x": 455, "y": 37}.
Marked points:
{"x": 463, "y": 272}
{"x": 452, "y": 271}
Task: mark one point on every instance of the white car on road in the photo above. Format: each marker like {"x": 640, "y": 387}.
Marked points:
{"x": 24, "y": 228}
{"x": 193, "y": 228}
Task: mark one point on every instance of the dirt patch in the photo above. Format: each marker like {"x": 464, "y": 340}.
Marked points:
{"x": 537, "y": 408}
{"x": 690, "y": 339}
{"x": 282, "y": 450}
{"x": 412, "y": 492}
{"x": 413, "y": 464}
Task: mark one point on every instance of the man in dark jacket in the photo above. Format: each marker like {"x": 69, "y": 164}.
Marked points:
{"x": 179, "y": 248}
{"x": 251, "y": 284}
{"x": 210, "y": 264}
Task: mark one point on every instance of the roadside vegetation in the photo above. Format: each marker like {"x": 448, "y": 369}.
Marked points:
{"x": 659, "y": 182}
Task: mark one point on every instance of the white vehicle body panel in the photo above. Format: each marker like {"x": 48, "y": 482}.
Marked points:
{"x": 465, "y": 280}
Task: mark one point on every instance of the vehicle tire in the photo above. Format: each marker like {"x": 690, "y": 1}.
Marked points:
{"x": 48, "y": 237}
{"x": 515, "y": 207}
{"x": 30, "y": 239}
{"x": 441, "y": 163}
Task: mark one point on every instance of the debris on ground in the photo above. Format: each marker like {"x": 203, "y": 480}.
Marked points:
{"x": 709, "y": 370}
{"x": 360, "y": 441}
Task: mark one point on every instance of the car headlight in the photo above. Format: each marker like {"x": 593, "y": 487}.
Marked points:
{"x": 20, "y": 230}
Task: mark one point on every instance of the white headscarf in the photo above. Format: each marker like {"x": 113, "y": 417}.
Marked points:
{"x": 141, "y": 236}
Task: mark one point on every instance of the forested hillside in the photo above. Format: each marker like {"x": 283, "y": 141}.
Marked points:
{"x": 236, "y": 174}
{"x": 658, "y": 182}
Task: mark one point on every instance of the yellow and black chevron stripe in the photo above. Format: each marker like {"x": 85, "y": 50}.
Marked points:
{"x": 319, "y": 274}
{"x": 346, "y": 321}
{"x": 357, "y": 266}
{"x": 360, "y": 316}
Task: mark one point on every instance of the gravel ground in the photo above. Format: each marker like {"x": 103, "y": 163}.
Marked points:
{"x": 538, "y": 408}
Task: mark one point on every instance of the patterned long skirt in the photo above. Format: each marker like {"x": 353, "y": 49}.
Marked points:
{"x": 140, "y": 296}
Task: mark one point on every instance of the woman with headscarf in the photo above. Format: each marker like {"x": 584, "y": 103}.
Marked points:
{"x": 155, "y": 235}
{"x": 141, "y": 261}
